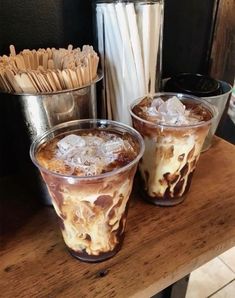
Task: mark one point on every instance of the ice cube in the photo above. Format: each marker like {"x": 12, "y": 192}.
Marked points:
{"x": 172, "y": 111}
{"x": 91, "y": 154}
{"x": 93, "y": 140}
{"x": 172, "y": 106}
{"x": 92, "y": 169}
{"x": 152, "y": 111}
{"x": 76, "y": 159}
{"x": 113, "y": 146}
{"x": 69, "y": 142}
{"x": 127, "y": 146}
{"x": 157, "y": 102}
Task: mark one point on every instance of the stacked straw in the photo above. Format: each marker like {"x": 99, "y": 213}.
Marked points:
{"x": 47, "y": 70}
{"x": 129, "y": 41}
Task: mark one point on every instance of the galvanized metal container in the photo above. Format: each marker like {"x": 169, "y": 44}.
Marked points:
{"x": 26, "y": 116}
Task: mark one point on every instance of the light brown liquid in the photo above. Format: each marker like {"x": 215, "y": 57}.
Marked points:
{"x": 92, "y": 211}
{"x": 171, "y": 153}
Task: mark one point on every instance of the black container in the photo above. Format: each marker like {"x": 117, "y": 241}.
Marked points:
{"x": 193, "y": 84}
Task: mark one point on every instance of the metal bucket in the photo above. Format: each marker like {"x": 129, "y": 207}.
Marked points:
{"x": 26, "y": 116}
{"x": 219, "y": 101}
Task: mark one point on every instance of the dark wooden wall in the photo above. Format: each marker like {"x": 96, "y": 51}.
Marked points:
{"x": 223, "y": 59}
{"x": 223, "y": 48}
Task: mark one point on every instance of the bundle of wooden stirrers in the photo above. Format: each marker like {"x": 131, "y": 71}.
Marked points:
{"x": 47, "y": 70}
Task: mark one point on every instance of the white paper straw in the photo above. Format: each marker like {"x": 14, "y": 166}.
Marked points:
{"x": 109, "y": 94}
{"x": 113, "y": 56}
{"x": 111, "y": 53}
{"x": 111, "y": 99}
{"x": 154, "y": 44}
{"x": 146, "y": 23}
{"x": 100, "y": 35}
{"x": 106, "y": 91}
{"x": 160, "y": 34}
{"x": 128, "y": 67}
{"x": 128, "y": 39}
{"x": 136, "y": 47}
{"x": 116, "y": 61}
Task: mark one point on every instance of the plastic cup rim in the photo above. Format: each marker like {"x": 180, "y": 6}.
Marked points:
{"x": 39, "y": 140}
{"x": 203, "y": 101}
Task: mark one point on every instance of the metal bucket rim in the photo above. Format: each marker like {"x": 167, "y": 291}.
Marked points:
{"x": 97, "y": 79}
{"x": 39, "y": 140}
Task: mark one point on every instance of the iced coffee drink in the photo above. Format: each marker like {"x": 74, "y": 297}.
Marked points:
{"x": 174, "y": 127}
{"x": 88, "y": 167}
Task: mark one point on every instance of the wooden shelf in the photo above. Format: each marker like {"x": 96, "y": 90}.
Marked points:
{"x": 161, "y": 244}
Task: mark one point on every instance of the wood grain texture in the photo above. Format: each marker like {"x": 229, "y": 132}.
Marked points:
{"x": 223, "y": 47}
{"x": 161, "y": 244}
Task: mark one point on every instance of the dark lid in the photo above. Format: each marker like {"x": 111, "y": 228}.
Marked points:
{"x": 193, "y": 84}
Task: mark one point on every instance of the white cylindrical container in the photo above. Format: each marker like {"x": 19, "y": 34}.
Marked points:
{"x": 129, "y": 35}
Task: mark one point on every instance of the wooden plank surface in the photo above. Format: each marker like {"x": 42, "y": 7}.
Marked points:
{"x": 161, "y": 244}
{"x": 223, "y": 46}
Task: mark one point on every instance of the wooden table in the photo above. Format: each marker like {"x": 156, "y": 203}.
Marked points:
{"x": 161, "y": 245}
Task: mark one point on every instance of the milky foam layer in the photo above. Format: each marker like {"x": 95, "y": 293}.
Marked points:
{"x": 169, "y": 112}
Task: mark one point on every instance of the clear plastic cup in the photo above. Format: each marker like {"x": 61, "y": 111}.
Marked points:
{"x": 92, "y": 210}
{"x": 129, "y": 38}
{"x": 171, "y": 153}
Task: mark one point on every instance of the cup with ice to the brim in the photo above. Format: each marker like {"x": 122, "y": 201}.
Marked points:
{"x": 88, "y": 167}
{"x": 174, "y": 127}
